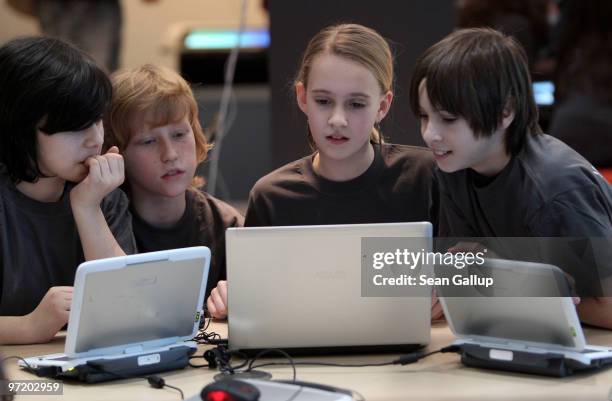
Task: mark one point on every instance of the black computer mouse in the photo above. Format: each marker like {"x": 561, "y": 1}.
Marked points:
{"x": 230, "y": 390}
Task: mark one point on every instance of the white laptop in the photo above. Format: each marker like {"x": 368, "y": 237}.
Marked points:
{"x": 299, "y": 289}
{"x": 131, "y": 315}
{"x": 515, "y": 329}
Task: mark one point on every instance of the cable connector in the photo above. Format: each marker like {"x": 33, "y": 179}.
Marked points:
{"x": 451, "y": 348}
{"x": 156, "y": 381}
{"x": 408, "y": 359}
{"x": 416, "y": 356}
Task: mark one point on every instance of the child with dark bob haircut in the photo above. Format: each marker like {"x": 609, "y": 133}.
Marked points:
{"x": 499, "y": 175}
{"x": 59, "y": 205}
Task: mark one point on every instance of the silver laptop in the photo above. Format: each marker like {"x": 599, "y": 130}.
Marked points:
{"x": 532, "y": 334}
{"x": 131, "y": 315}
{"x": 299, "y": 288}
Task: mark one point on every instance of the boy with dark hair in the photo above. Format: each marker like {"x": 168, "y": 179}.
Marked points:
{"x": 499, "y": 175}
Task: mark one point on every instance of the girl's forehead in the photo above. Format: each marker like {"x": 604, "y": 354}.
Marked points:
{"x": 336, "y": 64}
{"x": 335, "y": 73}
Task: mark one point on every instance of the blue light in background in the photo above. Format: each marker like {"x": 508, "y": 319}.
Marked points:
{"x": 544, "y": 93}
{"x": 220, "y": 39}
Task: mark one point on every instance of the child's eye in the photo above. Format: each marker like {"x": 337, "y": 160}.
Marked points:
{"x": 147, "y": 141}
{"x": 322, "y": 101}
{"x": 423, "y": 116}
{"x": 178, "y": 135}
{"x": 357, "y": 105}
{"x": 449, "y": 119}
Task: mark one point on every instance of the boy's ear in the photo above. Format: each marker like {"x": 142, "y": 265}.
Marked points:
{"x": 300, "y": 94}
{"x": 385, "y": 105}
{"x": 507, "y": 116}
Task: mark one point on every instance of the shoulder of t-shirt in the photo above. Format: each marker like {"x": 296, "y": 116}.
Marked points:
{"x": 410, "y": 168}
{"x": 554, "y": 169}
{"x": 577, "y": 212}
{"x": 115, "y": 201}
{"x": 394, "y": 154}
{"x": 284, "y": 177}
{"x": 211, "y": 207}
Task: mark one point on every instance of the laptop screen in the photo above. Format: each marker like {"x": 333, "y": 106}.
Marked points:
{"x": 147, "y": 301}
{"x": 535, "y": 319}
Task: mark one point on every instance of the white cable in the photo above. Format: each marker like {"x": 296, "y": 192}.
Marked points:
{"x": 226, "y": 98}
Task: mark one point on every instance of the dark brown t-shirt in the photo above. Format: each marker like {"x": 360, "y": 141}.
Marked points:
{"x": 548, "y": 190}
{"x": 397, "y": 187}
{"x": 40, "y": 245}
{"x": 203, "y": 223}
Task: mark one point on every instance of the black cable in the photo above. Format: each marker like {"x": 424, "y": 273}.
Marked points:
{"x": 158, "y": 382}
{"x": 153, "y": 380}
{"x": 204, "y": 365}
{"x": 177, "y": 389}
{"x": 204, "y": 323}
{"x": 268, "y": 351}
{"x": 208, "y": 338}
{"x": 225, "y": 365}
{"x": 223, "y": 359}
{"x": 338, "y": 365}
{"x": 414, "y": 357}
{"x": 291, "y": 361}
{"x": 402, "y": 360}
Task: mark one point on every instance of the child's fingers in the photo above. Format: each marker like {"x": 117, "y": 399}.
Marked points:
{"x": 437, "y": 312}
{"x": 212, "y": 309}
{"x": 64, "y": 289}
{"x": 105, "y": 168}
{"x": 94, "y": 168}
{"x": 113, "y": 149}
{"x": 112, "y": 169}
{"x": 220, "y": 307}
{"x": 65, "y": 305}
{"x": 116, "y": 167}
{"x": 436, "y": 308}
{"x": 222, "y": 287}
{"x": 64, "y": 315}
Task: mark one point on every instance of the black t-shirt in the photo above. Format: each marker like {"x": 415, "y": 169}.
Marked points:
{"x": 547, "y": 190}
{"x": 203, "y": 223}
{"x": 397, "y": 187}
{"x": 40, "y": 245}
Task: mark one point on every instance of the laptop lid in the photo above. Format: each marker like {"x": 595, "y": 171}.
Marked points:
{"x": 131, "y": 303}
{"x": 506, "y": 316}
{"x": 300, "y": 287}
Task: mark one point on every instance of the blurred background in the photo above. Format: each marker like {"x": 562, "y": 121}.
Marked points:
{"x": 568, "y": 43}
